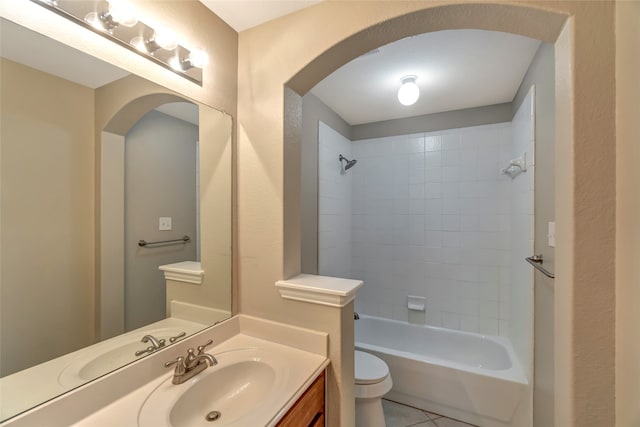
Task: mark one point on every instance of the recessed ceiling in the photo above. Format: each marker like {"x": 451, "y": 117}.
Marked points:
{"x": 245, "y": 14}
{"x": 456, "y": 69}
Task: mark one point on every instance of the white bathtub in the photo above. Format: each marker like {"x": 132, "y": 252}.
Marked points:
{"x": 462, "y": 375}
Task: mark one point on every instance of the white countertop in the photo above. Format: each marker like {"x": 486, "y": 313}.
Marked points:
{"x": 29, "y": 387}
{"x": 303, "y": 368}
{"x": 117, "y": 398}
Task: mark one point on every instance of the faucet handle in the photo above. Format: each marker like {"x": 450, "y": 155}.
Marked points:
{"x": 203, "y": 346}
{"x": 179, "y": 362}
{"x": 191, "y": 356}
{"x": 177, "y": 337}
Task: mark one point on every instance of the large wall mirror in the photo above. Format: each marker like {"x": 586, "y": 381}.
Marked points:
{"x": 93, "y": 160}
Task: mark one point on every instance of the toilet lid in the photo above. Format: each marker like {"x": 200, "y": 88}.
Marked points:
{"x": 369, "y": 369}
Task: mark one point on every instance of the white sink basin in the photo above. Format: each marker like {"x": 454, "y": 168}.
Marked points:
{"x": 236, "y": 392}
{"x": 232, "y": 391}
{"x": 110, "y": 355}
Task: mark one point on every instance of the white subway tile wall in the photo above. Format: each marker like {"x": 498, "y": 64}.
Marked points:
{"x": 442, "y": 233}
{"x": 431, "y": 215}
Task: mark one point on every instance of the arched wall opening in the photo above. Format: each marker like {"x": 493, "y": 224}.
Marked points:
{"x": 272, "y": 55}
{"x": 531, "y": 22}
{"x": 110, "y": 285}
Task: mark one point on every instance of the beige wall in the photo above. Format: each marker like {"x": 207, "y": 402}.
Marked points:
{"x": 628, "y": 212}
{"x": 110, "y": 259}
{"x": 47, "y": 216}
{"x": 304, "y": 47}
{"x": 541, "y": 74}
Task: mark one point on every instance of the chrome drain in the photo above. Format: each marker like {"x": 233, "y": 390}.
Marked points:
{"x": 213, "y": 416}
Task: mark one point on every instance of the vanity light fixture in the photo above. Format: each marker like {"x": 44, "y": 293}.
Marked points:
{"x": 409, "y": 91}
{"x": 118, "y": 21}
{"x": 197, "y": 58}
{"x": 161, "y": 39}
{"x": 118, "y": 13}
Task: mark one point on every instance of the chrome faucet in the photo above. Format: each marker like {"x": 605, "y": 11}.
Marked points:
{"x": 155, "y": 344}
{"x": 192, "y": 365}
{"x": 154, "y": 341}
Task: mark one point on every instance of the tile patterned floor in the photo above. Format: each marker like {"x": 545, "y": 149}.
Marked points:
{"x": 397, "y": 415}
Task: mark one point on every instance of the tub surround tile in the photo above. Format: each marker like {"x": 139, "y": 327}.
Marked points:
{"x": 432, "y": 207}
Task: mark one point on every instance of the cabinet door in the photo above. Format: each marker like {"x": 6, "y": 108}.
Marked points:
{"x": 308, "y": 411}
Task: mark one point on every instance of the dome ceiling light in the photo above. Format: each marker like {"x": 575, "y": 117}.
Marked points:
{"x": 409, "y": 92}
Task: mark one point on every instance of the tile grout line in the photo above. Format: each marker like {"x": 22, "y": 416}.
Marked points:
{"x": 429, "y": 423}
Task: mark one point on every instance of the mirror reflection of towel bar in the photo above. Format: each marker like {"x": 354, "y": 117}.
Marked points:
{"x": 184, "y": 239}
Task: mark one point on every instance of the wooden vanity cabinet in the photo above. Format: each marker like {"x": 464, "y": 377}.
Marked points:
{"x": 308, "y": 411}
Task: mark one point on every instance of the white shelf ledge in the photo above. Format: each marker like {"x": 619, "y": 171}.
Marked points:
{"x": 323, "y": 290}
{"x": 186, "y": 271}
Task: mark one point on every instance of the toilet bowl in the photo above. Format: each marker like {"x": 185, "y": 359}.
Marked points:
{"x": 372, "y": 381}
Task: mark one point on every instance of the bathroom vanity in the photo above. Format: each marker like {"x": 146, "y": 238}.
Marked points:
{"x": 267, "y": 374}
{"x": 309, "y": 409}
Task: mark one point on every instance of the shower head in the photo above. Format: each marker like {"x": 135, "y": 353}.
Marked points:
{"x": 349, "y": 164}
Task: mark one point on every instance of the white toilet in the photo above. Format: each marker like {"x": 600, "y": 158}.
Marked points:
{"x": 372, "y": 382}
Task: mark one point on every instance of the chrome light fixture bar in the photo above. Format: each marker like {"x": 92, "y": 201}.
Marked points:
{"x": 116, "y": 21}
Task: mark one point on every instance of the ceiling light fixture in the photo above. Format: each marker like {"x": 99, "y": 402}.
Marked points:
{"x": 409, "y": 92}
{"x": 116, "y": 20}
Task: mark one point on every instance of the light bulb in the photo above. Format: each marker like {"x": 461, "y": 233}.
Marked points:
{"x": 409, "y": 92}
{"x": 198, "y": 58}
{"x": 123, "y": 13}
{"x": 93, "y": 19}
{"x": 139, "y": 43}
{"x": 176, "y": 63}
{"x": 165, "y": 38}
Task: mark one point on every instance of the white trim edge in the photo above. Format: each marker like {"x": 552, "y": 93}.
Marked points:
{"x": 186, "y": 271}
{"x": 322, "y": 290}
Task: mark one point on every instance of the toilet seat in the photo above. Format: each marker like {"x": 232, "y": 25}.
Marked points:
{"x": 369, "y": 369}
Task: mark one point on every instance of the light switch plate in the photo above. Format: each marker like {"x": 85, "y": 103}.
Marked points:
{"x": 551, "y": 234}
{"x": 164, "y": 223}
